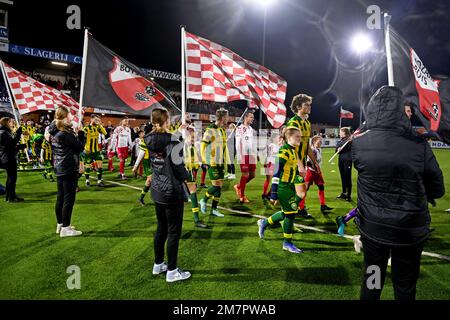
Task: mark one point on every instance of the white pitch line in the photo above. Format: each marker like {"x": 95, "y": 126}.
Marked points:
{"x": 302, "y": 226}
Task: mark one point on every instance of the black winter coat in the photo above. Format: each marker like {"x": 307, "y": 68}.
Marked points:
{"x": 169, "y": 172}
{"x": 397, "y": 174}
{"x": 66, "y": 149}
{"x": 8, "y": 145}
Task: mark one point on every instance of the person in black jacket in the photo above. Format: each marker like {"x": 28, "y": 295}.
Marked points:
{"x": 169, "y": 173}
{"x": 9, "y": 146}
{"x": 397, "y": 175}
{"x": 344, "y": 147}
{"x": 66, "y": 148}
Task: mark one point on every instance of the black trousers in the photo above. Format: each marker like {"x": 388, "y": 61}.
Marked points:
{"x": 345, "y": 169}
{"x": 11, "y": 180}
{"x": 67, "y": 186}
{"x": 405, "y": 268}
{"x": 231, "y": 169}
{"x": 170, "y": 221}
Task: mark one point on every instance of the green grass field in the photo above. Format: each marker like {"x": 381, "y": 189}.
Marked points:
{"x": 228, "y": 261}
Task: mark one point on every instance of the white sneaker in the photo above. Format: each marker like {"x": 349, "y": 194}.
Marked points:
{"x": 177, "y": 275}
{"x": 217, "y": 214}
{"x": 231, "y": 177}
{"x": 390, "y": 262}
{"x": 69, "y": 232}
{"x": 357, "y": 243}
{"x": 58, "y": 227}
{"x": 159, "y": 268}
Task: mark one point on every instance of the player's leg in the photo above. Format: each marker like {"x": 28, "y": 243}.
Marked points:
{"x": 203, "y": 177}
{"x": 88, "y": 167}
{"x": 300, "y": 194}
{"x": 99, "y": 162}
{"x": 194, "y": 200}
{"x": 218, "y": 183}
{"x": 318, "y": 180}
{"x": 343, "y": 221}
{"x": 211, "y": 191}
{"x": 148, "y": 174}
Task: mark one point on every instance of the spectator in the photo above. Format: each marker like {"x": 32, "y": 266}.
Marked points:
{"x": 9, "y": 146}
{"x": 66, "y": 148}
{"x": 167, "y": 193}
{"x": 397, "y": 175}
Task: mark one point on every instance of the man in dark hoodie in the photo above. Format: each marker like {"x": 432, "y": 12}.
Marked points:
{"x": 397, "y": 175}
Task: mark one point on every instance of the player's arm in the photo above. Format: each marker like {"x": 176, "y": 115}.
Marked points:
{"x": 312, "y": 157}
{"x": 204, "y": 144}
{"x": 138, "y": 160}
{"x": 238, "y": 138}
{"x": 42, "y": 155}
{"x": 280, "y": 162}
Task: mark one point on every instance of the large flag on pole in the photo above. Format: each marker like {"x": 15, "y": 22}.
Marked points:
{"x": 412, "y": 77}
{"x": 216, "y": 73}
{"x": 31, "y": 95}
{"x": 113, "y": 83}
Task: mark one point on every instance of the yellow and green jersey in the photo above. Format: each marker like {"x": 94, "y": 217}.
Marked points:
{"x": 143, "y": 147}
{"x": 92, "y": 133}
{"x": 191, "y": 159}
{"x": 286, "y": 168}
{"x": 174, "y": 127}
{"x": 47, "y": 150}
{"x": 305, "y": 130}
{"x": 214, "y": 149}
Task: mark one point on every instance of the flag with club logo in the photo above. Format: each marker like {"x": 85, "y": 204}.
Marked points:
{"x": 113, "y": 83}
{"x": 419, "y": 88}
{"x": 216, "y": 73}
{"x": 31, "y": 95}
{"x": 345, "y": 114}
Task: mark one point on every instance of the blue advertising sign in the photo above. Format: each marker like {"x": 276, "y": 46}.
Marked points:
{"x": 46, "y": 54}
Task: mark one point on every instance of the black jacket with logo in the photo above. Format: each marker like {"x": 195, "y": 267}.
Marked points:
{"x": 8, "y": 145}
{"x": 397, "y": 174}
{"x": 169, "y": 172}
{"x": 66, "y": 149}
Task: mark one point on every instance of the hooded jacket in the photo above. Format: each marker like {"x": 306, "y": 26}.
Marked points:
{"x": 8, "y": 145}
{"x": 169, "y": 172}
{"x": 66, "y": 149}
{"x": 397, "y": 174}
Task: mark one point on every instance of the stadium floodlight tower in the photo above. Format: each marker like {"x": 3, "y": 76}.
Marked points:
{"x": 265, "y": 4}
{"x": 361, "y": 43}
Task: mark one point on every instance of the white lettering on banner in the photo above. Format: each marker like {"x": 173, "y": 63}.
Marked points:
{"x": 439, "y": 145}
{"x": 421, "y": 73}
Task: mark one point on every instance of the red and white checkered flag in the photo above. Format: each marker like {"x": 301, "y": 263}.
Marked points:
{"x": 216, "y": 73}
{"x": 31, "y": 95}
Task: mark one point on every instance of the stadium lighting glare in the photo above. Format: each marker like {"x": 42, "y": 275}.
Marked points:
{"x": 361, "y": 43}
{"x": 63, "y": 64}
{"x": 263, "y": 3}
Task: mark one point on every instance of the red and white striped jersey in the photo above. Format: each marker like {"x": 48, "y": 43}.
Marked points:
{"x": 121, "y": 137}
{"x": 245, "y": 141}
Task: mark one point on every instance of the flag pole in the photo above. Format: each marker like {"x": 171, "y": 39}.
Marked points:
{"x": 83, "y": 76}
{"x": 183, "y": 75}
{"x": 340, "y": 119}
{"x": 387, "y": 43}
{"x": 8, "y": 88}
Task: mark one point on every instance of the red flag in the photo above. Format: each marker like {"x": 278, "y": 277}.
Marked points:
{"x": 346, "y": 114}
{"x": 216, "y": 73}
{"x": 31, "y": 95}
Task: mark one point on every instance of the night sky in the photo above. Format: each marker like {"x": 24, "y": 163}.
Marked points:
{"x": 304, "y": 37}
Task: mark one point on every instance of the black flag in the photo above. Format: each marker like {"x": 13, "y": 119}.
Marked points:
{"x": 113, "y": 83}
{"x": 420, "y": 89}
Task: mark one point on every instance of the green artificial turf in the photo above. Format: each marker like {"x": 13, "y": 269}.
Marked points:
{"x": 227, "y": 261}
